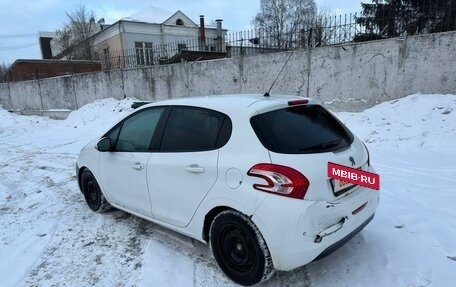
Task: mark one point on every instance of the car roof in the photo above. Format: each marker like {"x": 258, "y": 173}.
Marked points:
{"x": 233, "y": 103}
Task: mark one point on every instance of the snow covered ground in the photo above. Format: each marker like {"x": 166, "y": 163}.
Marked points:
{"x": 49, "y": 237}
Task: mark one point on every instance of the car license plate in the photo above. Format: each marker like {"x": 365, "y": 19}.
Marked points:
{"x": 340, "y": 186}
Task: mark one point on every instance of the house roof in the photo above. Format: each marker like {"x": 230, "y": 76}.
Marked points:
{"x": 182, "y": 16}
{"x": 149, "y": 14}
{"x": 53, "y": 61}
{"x": 154, "y": 15}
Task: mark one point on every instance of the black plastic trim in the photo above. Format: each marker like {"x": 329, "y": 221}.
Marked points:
{"x": 344, "y": 240}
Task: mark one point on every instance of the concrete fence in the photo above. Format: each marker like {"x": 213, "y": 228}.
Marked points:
{"x": 348, "y": 77}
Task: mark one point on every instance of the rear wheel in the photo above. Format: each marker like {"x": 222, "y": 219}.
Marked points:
{"x": 239, "y": 248}
{"x": 92, "y": 193}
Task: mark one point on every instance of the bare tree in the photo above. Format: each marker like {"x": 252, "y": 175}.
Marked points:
{"x": 73, "y": 40}
{"x": 322, "y": 29}
{"x": 281, "y": 20}
{"x": 3, "y": 69}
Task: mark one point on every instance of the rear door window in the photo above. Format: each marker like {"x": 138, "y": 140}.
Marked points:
{"x": 191, "y": 129}
{"x": 301, "y": 129}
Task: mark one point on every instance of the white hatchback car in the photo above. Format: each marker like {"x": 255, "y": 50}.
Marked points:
{"x": 245, "y": 173}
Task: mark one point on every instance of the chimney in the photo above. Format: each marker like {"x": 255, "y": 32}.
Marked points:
{"x": 202, "y": 34}
{"x": 219, "y": 35}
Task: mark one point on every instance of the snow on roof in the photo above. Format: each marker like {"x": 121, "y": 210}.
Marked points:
{"x": 150, "y": 14}
{"x": 47, "y": 34}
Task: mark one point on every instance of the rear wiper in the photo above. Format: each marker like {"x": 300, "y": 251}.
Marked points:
{"x": 321, "y": 146}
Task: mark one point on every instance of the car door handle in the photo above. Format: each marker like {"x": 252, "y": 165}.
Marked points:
{"x": 137, "y": 166}
{"x": 194, "y": 168}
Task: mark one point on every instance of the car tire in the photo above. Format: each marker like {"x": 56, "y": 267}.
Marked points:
{"x": 240, "y": 249}
{"x": 92, "y": 193}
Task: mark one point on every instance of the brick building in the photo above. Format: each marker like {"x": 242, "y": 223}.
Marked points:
{"x": 23, "y": 70}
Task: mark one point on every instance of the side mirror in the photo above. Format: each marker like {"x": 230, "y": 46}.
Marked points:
{"x": 104, "y": 145}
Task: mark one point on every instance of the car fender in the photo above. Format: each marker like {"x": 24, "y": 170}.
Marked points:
{"x": 246, "y": 207}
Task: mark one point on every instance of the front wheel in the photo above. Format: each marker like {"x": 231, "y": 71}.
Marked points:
{"x": 239, "y": 248}
{"x": 92, "y": 193}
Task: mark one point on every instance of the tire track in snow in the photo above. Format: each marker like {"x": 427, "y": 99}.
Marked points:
{"x": 88, "y": 248}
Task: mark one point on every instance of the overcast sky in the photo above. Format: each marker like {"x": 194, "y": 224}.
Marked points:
{"x": 21, "y": 20}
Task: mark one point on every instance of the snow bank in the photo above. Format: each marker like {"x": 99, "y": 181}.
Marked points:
{"x": 99, "y": 114}
{"x": 50, "y": 237}
{"x": 414, "y": 122}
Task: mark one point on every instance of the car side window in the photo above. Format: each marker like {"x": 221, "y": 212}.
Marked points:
{"x": 113, "y": 135}
{"x": 135, "y": 134}
{"x": 191, "y": 129}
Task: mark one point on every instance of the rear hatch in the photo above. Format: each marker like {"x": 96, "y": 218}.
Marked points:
{"x": 306, "y": 138}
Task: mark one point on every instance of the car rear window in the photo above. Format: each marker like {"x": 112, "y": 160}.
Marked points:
{"x": 301, "y": 129}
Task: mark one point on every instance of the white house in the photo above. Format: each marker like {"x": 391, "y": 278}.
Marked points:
{"x": 153, "y": 34}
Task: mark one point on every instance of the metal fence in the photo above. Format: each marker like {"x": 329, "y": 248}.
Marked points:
{"x": 157, "y": 54}
{"x": 378, "y": 21}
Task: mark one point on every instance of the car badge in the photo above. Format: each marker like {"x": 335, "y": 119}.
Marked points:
{"x": 352, "y": 160}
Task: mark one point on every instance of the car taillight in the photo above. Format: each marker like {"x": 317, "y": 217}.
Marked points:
{"x": 368, "y": 155}
{"x": 280, "y": 180}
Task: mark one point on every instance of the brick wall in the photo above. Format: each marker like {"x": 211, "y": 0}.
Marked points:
{"x": 23, "y": 70}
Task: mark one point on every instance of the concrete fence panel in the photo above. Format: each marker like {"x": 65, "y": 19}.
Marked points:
{"x": 348, "y": 77}
{"x": 26, "y": 95}
{"x": 58, "y": 93}
{"x": 428, "y": 65}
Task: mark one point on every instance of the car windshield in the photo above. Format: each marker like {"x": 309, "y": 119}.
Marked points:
{"x": 301, "y": 129}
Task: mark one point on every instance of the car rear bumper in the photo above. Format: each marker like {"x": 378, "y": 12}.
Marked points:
{"x": 299, "y": 231}
{"x": 344, "y": 240}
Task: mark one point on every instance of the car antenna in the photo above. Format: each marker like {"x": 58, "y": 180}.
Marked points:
{"x": 283, "y": 67}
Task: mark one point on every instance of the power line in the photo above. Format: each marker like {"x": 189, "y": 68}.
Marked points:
{"x": 17, "y": 47}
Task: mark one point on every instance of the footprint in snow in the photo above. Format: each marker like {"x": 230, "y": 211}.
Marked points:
{"x": 452, "y": 258}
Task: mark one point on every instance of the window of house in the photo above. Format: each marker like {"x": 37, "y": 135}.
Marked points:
{"x": 181, "y": 46}
{"x": 144, "y": 55}
{"x": 194, "y": 129}
{"x": 179, "y": 22}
